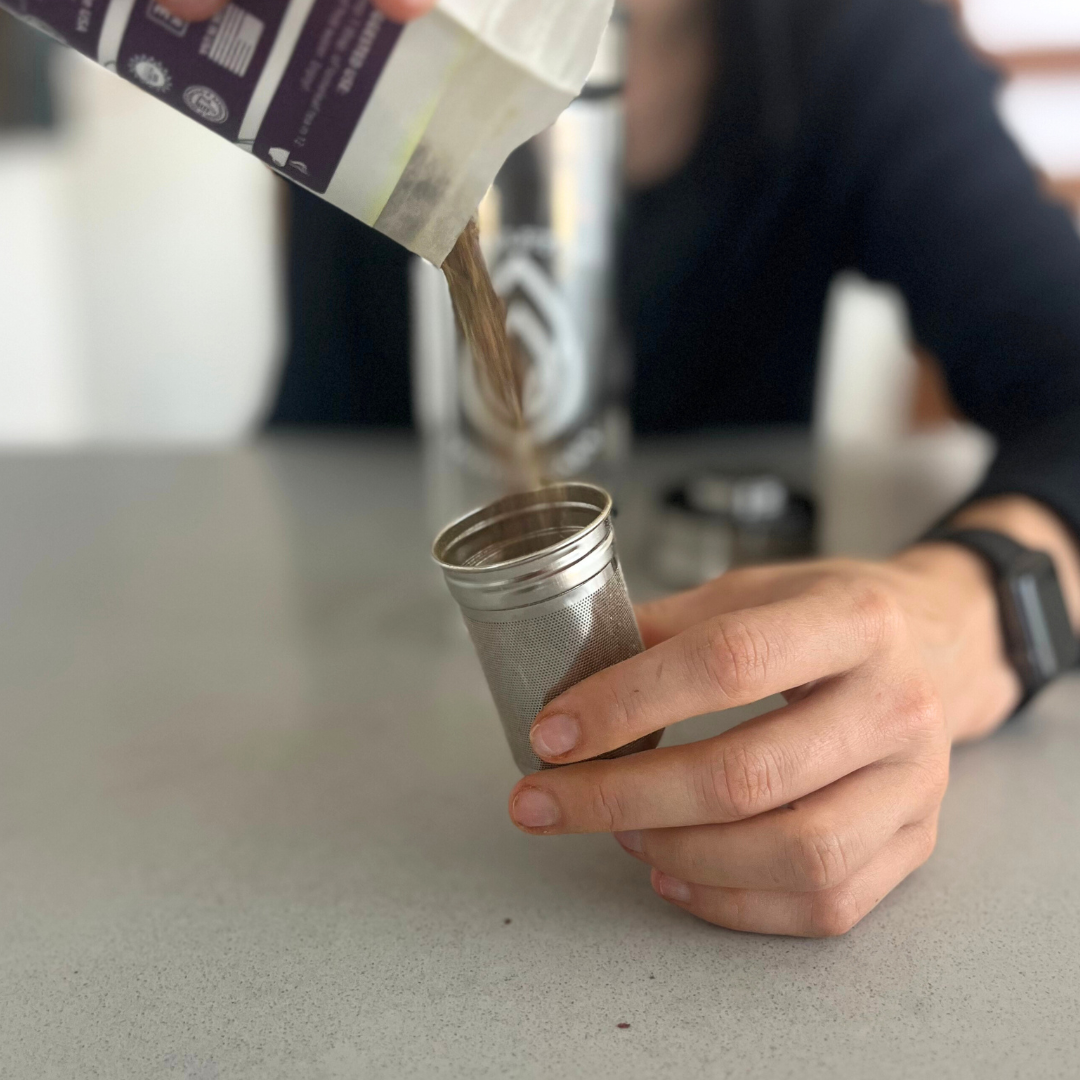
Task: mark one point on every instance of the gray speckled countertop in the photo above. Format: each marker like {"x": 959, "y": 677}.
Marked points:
{"x": 252, "y": 825}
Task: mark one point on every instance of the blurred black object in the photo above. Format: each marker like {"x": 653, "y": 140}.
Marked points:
{"x": 348, "y": 359}
{"x": 25, "y": 95}
{"x": 714, "y": 522}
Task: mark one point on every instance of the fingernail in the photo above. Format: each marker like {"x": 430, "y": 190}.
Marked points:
{"x": 534, "y": 809}
{"x": 672, "y": 889}
{"x": 631, "y": 841}
{"x": 555, "y": 736}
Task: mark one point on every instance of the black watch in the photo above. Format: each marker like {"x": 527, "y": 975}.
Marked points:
{"x": 1039, "y": 638}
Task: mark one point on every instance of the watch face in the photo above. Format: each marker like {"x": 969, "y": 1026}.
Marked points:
{"x": 1041, "y": 619}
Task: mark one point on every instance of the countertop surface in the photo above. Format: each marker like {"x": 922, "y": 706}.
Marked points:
{"x": 253, "y": 826}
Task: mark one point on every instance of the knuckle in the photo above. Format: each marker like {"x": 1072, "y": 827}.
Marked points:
{"x": 618, "y": 712}
{"x": 744, "y": 781}
{"x": 834, "y": 913}
{"x": 735, "y": 657}
{"x": 820, "y": 859}
{"x": 926, "y": 842}
{"x": 741, "y": 909}
{"x": 878, "y": 611}
{"x": 607, "y": 806}
{"x": 936, "y": 778}
{"x": 919, "y": 709}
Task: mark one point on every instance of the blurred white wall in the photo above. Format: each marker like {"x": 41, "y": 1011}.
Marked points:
{"x": 1043, "y": 114}
{"x": 42, "y": 398}
{"x": 140, "y": 275}
{"x": 1007, "y": 25}
{"x": 880, "y": 482}
{"x": 1039, "y": 41}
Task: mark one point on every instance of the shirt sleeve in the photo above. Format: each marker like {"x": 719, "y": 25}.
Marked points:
{"x": 939, "y": 201}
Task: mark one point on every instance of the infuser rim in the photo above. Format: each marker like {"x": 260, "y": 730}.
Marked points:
{"x": 446, "y": 537}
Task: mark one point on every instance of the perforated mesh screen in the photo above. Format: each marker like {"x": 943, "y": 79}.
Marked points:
{"x": 531, "y": 662}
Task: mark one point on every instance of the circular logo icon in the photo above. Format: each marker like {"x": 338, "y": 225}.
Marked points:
{"x": 207, "y": 103}
{"x": 153, "y": 74}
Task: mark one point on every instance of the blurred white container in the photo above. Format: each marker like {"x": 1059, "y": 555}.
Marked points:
{"x": 154, "y": 301}
{"x": 42, "y": 399}
{"x": 177, "y": 254}
{"x": 880, "y": 484}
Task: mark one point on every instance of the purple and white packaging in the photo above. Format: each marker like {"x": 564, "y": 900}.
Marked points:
{"x": 403, "y": 127}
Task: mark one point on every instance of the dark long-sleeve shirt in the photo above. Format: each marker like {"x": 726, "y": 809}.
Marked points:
{"x": 877, "y": 147}
{"x": 845, "y": 134}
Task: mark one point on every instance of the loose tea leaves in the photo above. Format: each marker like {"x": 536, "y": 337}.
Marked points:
{"x": 481, "y": 318}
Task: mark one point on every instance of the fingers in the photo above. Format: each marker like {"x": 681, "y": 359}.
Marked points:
{"x": 845, "y": 725}
{"x": 732, "y": 659}
{"x": 815, "y": 844}
{"x": 738, "y": 589}
{"x": 405, "y": 10}
{"x": 827, "y": 913}
{"x": 194, "y": 10}
{"x": 199, "y": 10}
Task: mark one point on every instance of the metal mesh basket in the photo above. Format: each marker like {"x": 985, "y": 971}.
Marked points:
{"x": 539, "y": 584}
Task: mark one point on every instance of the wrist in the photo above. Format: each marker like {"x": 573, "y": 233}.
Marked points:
{"x": 1035, "y": 526}
{"x": 960, "y": 618}
{"x": 953, "y": 606}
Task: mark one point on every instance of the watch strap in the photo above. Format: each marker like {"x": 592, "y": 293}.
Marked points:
{"x": 1037, "y": 655}
{"x": 999, "y": 550}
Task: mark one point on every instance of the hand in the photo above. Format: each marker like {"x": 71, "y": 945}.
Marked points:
{"x": 802, "y": 820}
{"x": 398, "y": 10}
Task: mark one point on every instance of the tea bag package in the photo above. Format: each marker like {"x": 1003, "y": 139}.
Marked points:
{"x": 403, "y": 127}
